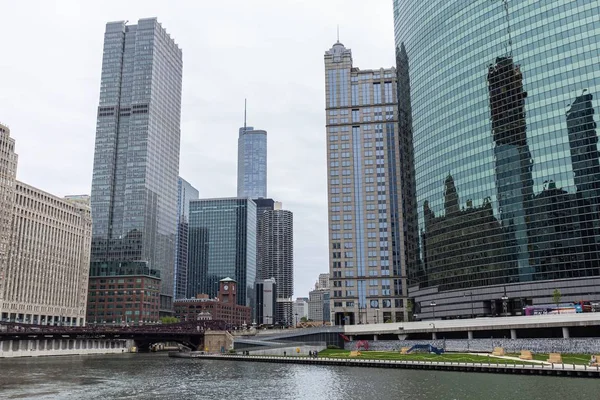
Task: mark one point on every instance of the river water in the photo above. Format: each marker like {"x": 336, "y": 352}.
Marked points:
{"x": 155, "y": 376}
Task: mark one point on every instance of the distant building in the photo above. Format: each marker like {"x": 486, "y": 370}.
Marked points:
{"x": 266, "y": 302}
{"x": 300, "y": 309}
{"x": 185, "y": 193}
{"x": 224, "y": 307}
{"x": 318, "y": 305}
{"x": 44, "y": 250}
{"x": 252, "y": 163}
{"x": 276, "y": 258}
{"x": 80, "y": 199}
{"x": 323, "y": 281}
{"x": 222, "y": 243}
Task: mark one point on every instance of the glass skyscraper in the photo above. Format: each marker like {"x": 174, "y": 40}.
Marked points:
{"x": 222, "y": 244}
{"x": 136, "y": 160}
{"x": 501, "y": 100}
{"x": 185, "y": 193}
{"x": 252, "y": 163}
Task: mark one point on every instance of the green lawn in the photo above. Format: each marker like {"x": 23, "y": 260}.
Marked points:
{"x": 582, "y": 359}
{"x": 446, "y": 357}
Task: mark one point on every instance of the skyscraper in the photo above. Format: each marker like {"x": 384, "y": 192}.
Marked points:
{"x": 222, "y": 243}
{"x": 505, "y": 157}
{"x": 185, "y": 193}
{"x": 136, "y": 160}
{"x": 276, "y": 258}
{"x": 365, "y": 222}
{"x": 252, "y": 163}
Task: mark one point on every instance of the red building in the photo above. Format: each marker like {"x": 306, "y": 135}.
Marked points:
{"x": 223, "y": 308}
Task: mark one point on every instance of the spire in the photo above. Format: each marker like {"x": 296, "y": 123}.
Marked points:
{"x": 338, "y": 33}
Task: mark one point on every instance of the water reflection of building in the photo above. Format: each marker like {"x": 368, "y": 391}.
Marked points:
{"x": 463, "y": 245}
{"x": 514, "y": 182}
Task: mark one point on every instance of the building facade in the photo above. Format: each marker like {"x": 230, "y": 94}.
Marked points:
{"x": 185, "y": 193}
{"x": 252, "y": 163}
{"x": 319, "y": 309}
{"x": 366, "y": 244}
{"x": 222, "y": 243}
{"x": 136, "y": 159}
{"x": 506, "y": 178}
{"x": 223, "y": 308}
{"x": 300, "y": 309}
{"x": 323, "y": 282}
{"x": 266, "y": 302}
{"x": 44, "y": 250}
{"x": 276, "y": 258}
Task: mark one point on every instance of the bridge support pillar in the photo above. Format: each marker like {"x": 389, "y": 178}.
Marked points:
{"x": 470, "y": 335}
{"x": 375, "y": 338}
{"x": 513, "y": 333}
{"x": 565, "y": 330}
{"x": 434, "y": 335}
{"x": 351, "y": 337}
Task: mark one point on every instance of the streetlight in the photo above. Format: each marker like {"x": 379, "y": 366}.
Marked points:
{"x": 296, "y": 314}
{"x": 432, "y": 304}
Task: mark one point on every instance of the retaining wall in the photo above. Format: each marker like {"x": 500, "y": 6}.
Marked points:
{"x": 572, "y": 345}
{"x": 58, "y": 347}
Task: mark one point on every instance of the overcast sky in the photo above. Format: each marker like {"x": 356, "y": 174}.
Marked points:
{"x": 268, "y": 51}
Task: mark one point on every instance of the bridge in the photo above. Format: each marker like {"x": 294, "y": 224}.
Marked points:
{"x": 189, "y": 334}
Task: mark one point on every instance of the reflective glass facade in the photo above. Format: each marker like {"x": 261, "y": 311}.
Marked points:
{"x": 503, "y": 99}
{"x": 185, "y": 193}
{"x": 222, "y": 244}
{"x": 252, "y": 163}
{"x": 136, "y": 160}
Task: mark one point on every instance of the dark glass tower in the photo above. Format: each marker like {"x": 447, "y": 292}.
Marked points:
{"x": 504, "y": 144}
{"x": 136, "y": 160}
{"x": 222, "y": 243}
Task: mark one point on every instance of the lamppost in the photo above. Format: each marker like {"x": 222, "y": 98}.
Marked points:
{"x": 432, "y": 304}
{"x": 471, "y": 295}
{"x": 296, "y": 314}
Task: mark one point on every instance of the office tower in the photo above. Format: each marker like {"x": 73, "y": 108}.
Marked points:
{"x": 252, "y": 163}
{"x": 276, "y": 258}
{"x": 323, "y": 282}
{"x": 185, "y": 193}
{"x": 44, "y": 250}
{"x": 319, "y": 308}
{"x": 300, "y": 309}
{"x": 504, "y": 149}
{"x": 222, "y": 243}
{"x": 266, "y": 302}
{"x": 136, "y": 160}
{"x": 365, "y": 224}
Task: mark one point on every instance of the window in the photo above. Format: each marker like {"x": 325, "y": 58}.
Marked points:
{"x": 355, "y": 116}
{"x": 376, "y": 93}
{"x": 388, "y": 92}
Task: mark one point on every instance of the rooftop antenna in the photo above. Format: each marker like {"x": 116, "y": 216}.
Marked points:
{"x": 338, "y": 33}
{"x": 244, "y": 115}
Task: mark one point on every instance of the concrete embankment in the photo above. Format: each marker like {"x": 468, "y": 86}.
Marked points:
{"x": 570, "y": 370}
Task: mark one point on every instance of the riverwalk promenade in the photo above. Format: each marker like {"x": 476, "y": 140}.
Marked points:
{"x": 567, "y": 370}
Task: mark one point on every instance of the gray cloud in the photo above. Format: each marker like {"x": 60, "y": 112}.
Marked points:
{"x": 268, "y": 51}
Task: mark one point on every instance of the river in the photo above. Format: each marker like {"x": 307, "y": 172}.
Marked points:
{"x": 155, "y": 376}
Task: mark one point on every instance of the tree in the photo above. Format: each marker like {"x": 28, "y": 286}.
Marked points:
{"x": 556, "y": 296}
{"x": 304, "y": 319}
{"x": 169, "y": 320}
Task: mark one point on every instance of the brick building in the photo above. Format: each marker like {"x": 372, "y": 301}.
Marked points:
{"x": 224, "y": 307}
